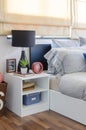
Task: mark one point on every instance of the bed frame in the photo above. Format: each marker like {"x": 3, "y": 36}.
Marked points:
{"x": 68, "y": 106}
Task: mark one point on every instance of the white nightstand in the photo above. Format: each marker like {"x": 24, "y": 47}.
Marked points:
{"x": 15, "y": 93}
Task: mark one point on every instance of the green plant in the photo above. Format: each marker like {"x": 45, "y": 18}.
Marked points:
{"x": 23, "y": 63}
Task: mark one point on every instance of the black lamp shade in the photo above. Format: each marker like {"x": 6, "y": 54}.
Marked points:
{"x": 23, "y": 38}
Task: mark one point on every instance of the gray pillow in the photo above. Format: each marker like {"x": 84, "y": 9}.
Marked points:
{"x": 74, "y": 62}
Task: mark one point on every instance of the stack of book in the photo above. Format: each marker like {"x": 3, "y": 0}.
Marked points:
{"x": 28, "y": 86}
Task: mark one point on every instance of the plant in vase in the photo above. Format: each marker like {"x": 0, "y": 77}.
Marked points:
{"x": 23, "y": 64}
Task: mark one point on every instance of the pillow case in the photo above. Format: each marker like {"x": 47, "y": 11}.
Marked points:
{"x": 74, "y": 62}
{"x": 66, "y": 43}
{"x": 43, "y": 41}
{"x": 54, "y": 59}
{"x": 65, "y": 60}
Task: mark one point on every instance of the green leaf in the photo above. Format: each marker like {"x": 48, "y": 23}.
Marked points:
{"x": 23, "y": 62}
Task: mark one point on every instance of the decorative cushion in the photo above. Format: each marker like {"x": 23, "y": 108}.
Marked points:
{"x": 74, "y": 62}
{"x": 84, "y": 54}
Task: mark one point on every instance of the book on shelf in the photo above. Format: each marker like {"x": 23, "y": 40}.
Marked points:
{"x": 28, "y": 86}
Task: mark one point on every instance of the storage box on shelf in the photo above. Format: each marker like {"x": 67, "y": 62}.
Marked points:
{"x": 33, "y": 99}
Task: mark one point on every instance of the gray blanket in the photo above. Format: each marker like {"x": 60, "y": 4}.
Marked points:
{"x": 74, "y": 85}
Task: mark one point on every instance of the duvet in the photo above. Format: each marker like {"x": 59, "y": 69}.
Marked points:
{"x": 74, "y": 85}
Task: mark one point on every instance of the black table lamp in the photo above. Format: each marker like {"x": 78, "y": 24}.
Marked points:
{"x": 23, "y": 38}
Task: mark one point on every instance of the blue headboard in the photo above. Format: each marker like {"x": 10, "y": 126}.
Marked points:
{"x": 37, "y": 54}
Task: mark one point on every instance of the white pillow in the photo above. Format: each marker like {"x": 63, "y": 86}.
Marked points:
{"x": 74, "y": 62}
{"x": 66, "y": 43}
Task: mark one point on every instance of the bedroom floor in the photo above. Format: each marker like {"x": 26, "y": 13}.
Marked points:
{"x": 47, "y": 120}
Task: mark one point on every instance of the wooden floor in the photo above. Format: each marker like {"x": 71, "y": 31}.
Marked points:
{"x": 47, "y": 120}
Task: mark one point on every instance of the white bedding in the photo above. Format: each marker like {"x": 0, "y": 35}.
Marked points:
{"x": 74, "y": 85}
{"x": 70, "y": 64}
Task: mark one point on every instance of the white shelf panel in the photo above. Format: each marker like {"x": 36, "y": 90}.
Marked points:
{"x": 37, "y": 89}
{"x": 31, "y": 76}
{"x": 34, "y": 105}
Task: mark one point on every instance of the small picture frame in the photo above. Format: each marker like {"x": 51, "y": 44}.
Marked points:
{"x": 10, "y": 65}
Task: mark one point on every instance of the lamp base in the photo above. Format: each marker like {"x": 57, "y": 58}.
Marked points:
{"x": 23, "y": 56}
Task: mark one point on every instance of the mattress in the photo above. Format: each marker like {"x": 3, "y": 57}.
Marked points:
{"x": 54, "y": 82}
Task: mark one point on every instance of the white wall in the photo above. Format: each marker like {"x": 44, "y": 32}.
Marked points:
{"x": 7, "y": 52}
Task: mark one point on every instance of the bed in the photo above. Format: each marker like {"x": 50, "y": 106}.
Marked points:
{"x": 69, "y": 106}
{"x": 66, "y": 63}
{"x": 68, "y": 68}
